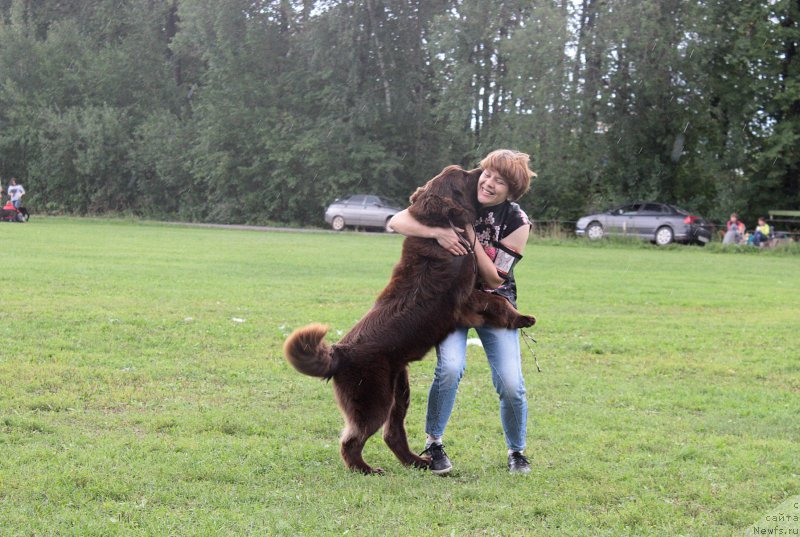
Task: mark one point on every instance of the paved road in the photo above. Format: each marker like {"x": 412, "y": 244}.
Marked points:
{"x": 248, "y": 228}
{"x": 271, "y": 228}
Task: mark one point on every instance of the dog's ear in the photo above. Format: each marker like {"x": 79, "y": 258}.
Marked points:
{"x": 471, "y": 189}
{"x": 465, "y": 195}
{"x": 418, "y": 192}
{"x": 441, "y": 185}
{"x": 432, "y": 209}
{"x": 435, "y": 203}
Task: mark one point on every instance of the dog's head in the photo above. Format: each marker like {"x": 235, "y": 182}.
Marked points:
{"x": 449, "y": 198}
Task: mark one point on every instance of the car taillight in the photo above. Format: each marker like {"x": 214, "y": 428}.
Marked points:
{"x": 691, "y": 219}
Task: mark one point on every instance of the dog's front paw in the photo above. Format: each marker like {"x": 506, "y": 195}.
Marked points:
{"x": 421, "y": 462}
{"x": 524, "y": 321}
{"x": 369, "y": 470}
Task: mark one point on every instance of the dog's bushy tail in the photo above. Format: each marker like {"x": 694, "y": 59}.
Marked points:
{"x": 307, "y": 351}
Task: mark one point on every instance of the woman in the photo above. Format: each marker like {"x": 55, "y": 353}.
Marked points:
{"x": 502, "y": 229}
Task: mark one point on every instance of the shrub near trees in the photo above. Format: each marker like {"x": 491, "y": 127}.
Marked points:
{"x": 243, "y": 111}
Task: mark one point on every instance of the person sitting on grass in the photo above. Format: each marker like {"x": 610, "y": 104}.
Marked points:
{"x": 9, "y": 212}
{"x": 761, "y": 234}
{"x": 735, "y": 233}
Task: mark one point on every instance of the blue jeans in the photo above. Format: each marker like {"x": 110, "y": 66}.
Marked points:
{"x": 759, "y": 237}
{"x": 502, "y": 351}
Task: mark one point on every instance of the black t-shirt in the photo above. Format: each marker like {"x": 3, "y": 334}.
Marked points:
{"x": 493, "y": 225}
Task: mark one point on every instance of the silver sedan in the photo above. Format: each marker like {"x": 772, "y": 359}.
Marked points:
{"x": 653, "y": 221}
{"x": 361, "y": 210}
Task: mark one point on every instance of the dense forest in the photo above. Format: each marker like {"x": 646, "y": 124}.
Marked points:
{"x": 256, "y": 111}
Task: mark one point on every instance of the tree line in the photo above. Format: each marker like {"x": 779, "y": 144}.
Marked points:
{"x": 256, "y": 111}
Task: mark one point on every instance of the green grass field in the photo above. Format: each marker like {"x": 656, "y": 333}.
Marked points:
{"x": 143, "y": 390}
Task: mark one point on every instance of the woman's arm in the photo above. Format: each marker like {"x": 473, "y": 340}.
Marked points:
{"x": 518, "y": 240}
{"x": 407, "y": 225}
{"x": 486, "y": 268}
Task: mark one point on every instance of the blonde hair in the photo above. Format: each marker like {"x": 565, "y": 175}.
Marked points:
{"x": 513, "y": 167}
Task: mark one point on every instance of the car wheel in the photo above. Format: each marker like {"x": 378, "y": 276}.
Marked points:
{"x": 387, "y": 227}
{"x": 337, "y": 223}
{"x": 594, "y": 231}
{"x": 664, "y": 235}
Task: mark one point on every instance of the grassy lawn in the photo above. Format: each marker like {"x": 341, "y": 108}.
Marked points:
{"x": 143, "y": 390}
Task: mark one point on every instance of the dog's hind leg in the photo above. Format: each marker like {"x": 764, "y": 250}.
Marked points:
{"x": 394, "y": 430}
{"x": 364, "y": 415}
{"x": 352, "y": 446}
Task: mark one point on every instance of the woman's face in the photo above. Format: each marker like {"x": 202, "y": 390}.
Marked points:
{"x": 492, "y": 188}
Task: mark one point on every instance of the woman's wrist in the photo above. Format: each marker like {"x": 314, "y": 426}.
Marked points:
{"x": 437, "y": 233}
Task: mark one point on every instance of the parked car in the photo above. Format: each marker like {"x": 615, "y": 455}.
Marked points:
{"x": 361, "y": 210}
{"x": 653, "y": 221}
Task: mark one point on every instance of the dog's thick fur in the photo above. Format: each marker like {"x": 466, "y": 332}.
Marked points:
{"x": 430, "y": 293}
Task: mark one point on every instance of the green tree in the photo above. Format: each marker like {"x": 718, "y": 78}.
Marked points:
{"x": 255, "y": 111}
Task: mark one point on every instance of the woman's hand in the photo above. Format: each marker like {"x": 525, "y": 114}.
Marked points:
{"x": 449, "y": 239}
{"x": 405, "y": 224}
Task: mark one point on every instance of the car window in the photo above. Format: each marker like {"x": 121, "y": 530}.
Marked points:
{"x": 626, "y": 210}
{"x": 373, "y": 200}
{"x": 652, "y": 208}
{"x": 387, "y": 203}
{"x": 356, "y": 200}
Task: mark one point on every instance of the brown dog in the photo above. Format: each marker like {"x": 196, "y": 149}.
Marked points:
{"x": 430, "y": 293}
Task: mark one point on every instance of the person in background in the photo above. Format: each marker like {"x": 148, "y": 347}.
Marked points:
{"x": 735, "y": 232}
{"x": 16, "y": 192}
{"x": 761, "y": 234}
{"x": 9, "y": 212}
{"x": 502, "y": 229}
